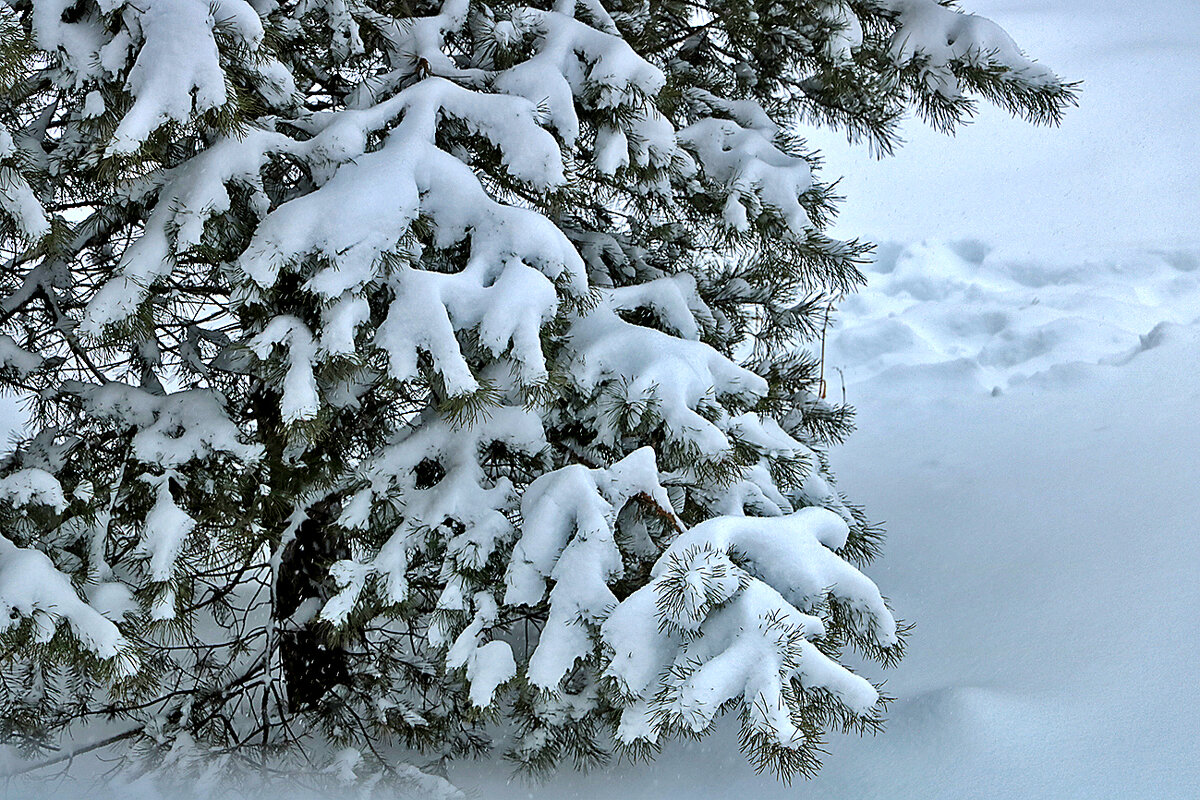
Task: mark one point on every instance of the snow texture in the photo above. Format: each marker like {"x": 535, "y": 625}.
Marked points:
{"x": 17, "y": 199}
{"x": 987, "y": 319}
{"x": 32, "y": 587}
{"x": 1019, "y": 518}
{"x": 569, "y": 519}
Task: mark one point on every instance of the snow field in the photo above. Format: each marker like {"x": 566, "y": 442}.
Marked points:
{"x": 1044, "y": 541}
{"x": 963, "y": 313}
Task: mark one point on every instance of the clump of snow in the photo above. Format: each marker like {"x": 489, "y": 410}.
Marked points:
{"x": 849, "y": 35}
{"x": 32, "y": 486}
{"x": 166, "y": 529}
{"x": 299, "y": 400}
{"x": 31, "y": 587}
{"x": 794, "y": 553}
{"x": 172, "y": 429}
{"x": 756, "y": 175}
{"x": 569, "y": 522}
{"x": 727, "y": 613}
{"x": 939, "y": 37}
{"x": 570, "y": 59}
{"x": 17, "y": 199}
{"x": 178, "y": 68}
{"x": 655, "y": 371}
{"x": 167, "y": 50}
{"x": 488, "y": 665}
{"x": 16, "y": 358}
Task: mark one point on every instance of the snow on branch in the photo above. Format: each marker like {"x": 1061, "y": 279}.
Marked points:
{"x": 488, "y": 665}
{"x": 434, "y": 477}
{"x": 176, "y": 69}
{"x": 163, "y": 535}
{"x": 757, "y": 177}
{"x": 568, "y": 537}
{"x": 575, "y": 62}
{"x": 654, "y": 374}
{"x": 31, "y": 587}
{"x": 730, "y": 614}
{"x": 32, "y": 486}
{"x": 19, "y": 360}
{"x": 941, "y": 38}
{"x": 172, "y": 429}
{"x": 188, "y": 196}
{"x": 17, "y": 198}
{"x": 299, "y": 399}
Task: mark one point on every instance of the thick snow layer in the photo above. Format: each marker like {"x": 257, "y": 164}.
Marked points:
{"x": 1044, "y": 542}
{"x": 987, "y": 319}
{"x": 753, "y": 171}
{"x": 178, "y": 66}
{"x": 1042, "y": 537}
{"x": 1120, "y": 172}
{"x": 33, "y": 587}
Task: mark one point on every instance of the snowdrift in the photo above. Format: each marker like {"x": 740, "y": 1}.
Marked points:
{"x": 1029, "y": 433}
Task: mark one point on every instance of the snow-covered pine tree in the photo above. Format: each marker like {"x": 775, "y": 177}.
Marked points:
{"x": 395, "y": 366}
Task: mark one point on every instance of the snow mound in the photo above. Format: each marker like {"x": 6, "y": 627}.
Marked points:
{"x": 961, "y": 314}
{"x": 1043, "y": 540}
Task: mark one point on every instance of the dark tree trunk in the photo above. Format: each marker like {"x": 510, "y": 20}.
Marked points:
{"x": 311, "y": 667}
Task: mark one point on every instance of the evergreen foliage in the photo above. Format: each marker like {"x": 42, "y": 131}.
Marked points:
{"x": 398, "y": 367}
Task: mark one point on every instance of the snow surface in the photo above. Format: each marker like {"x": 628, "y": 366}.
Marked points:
{"x": 967, "y": 315}
{"x": 1120, "y": 172}
{"x": 1044, "y": 542}
{"x": 1027, "y": 391}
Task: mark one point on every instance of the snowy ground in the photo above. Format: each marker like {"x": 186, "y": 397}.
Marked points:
{"x": 1030, "y": 429}
{"x": 1044, "y": 538}
{"x": 969, "y": 317}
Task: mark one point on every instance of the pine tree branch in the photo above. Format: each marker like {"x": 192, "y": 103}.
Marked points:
{"x": 61, "y": 324}
{"x": 72, "y": 754}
